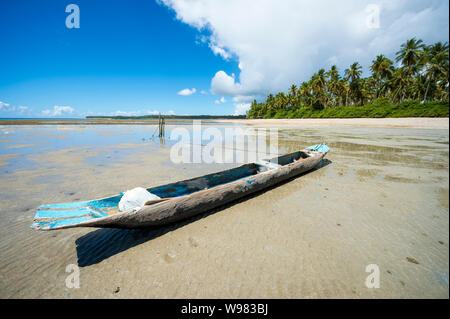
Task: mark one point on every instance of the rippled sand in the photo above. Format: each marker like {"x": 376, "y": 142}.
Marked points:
{"x": 380, "y": 198}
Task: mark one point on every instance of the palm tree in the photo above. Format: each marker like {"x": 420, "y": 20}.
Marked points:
{"x": 411, "y": 56}
{"x": 353, "y": 74}
{"x": 305, "y": 92}
{"x": 369, "y": 89}
{"x": 410, "y": 53}
{"x": 436, "y": 65}
{"x": 333, "y": 75}
{"x": 281, "y": 101}
{"x": 270, "y": 105}
{"x": 382, "y": 69}
{"x": 400, "y": 81}
{"x": 319, "y": 86}
{"x": 293, "y": 90}
{"x": 342, "y": 89}
{"x": 419, "y": 87}
{"x": 293, "y": 98}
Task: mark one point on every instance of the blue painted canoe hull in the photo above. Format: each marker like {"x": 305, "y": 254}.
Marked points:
{"x": 189, "y": 197}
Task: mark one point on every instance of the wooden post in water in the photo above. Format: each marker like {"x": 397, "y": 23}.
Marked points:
{"x": 161, "y": 125}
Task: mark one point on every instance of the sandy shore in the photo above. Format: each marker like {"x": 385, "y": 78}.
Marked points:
{"x": 380, "y": 198}
{"x": 424, "y": 122}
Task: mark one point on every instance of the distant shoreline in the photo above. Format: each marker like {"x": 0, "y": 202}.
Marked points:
{"x": 171, "y": 117}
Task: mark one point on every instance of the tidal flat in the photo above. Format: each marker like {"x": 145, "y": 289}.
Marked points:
{"x": 380, "y": 198}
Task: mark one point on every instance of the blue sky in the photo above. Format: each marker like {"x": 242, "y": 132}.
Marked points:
{"x": 129, "y": 58}
{"x": 135, "y": 56}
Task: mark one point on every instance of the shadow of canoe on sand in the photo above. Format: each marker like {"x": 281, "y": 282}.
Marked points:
{"x": 103, "y": 243}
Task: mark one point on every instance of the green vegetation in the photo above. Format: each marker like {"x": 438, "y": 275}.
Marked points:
{"x": 419, "y": 87}
{"x": 381, "y": 107}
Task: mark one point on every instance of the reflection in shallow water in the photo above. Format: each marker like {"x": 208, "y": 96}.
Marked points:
{"x": 380, "y": 145}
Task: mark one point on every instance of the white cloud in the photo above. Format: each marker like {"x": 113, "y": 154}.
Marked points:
{"x": 218, "y": 50}
{"x": 186, "y": 92}
{"x": 278, "y": 43}
{"x": 156, "y": 112}
{"x": 91, "y": 113}
{"x": 203, "y": 92}
{"x": 127, "y": 113}
{"x": 140, "y": 113}
{"x": 14, "y": 110}
{"x": 222, "y": 83}
{"x": 243, "y": 98}
{"x": 241, "y": 108}
{"x": 22, "y": 108}
{"x": 221, "y": 101}
{"x": 5, "y": 107}
{"x": 59, "y": 111}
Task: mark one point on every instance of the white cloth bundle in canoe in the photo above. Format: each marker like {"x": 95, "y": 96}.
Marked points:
{"x": 135, "y": 198}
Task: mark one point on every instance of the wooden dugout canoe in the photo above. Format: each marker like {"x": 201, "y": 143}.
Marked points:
{"x": 182, "y": 199}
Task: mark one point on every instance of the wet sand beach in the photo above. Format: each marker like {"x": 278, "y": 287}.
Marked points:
{"x": 413, "y": 122}
{"x": 381, "y": 197}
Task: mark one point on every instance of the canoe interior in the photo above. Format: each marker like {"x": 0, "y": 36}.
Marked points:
{"x": 54, "y": 215}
